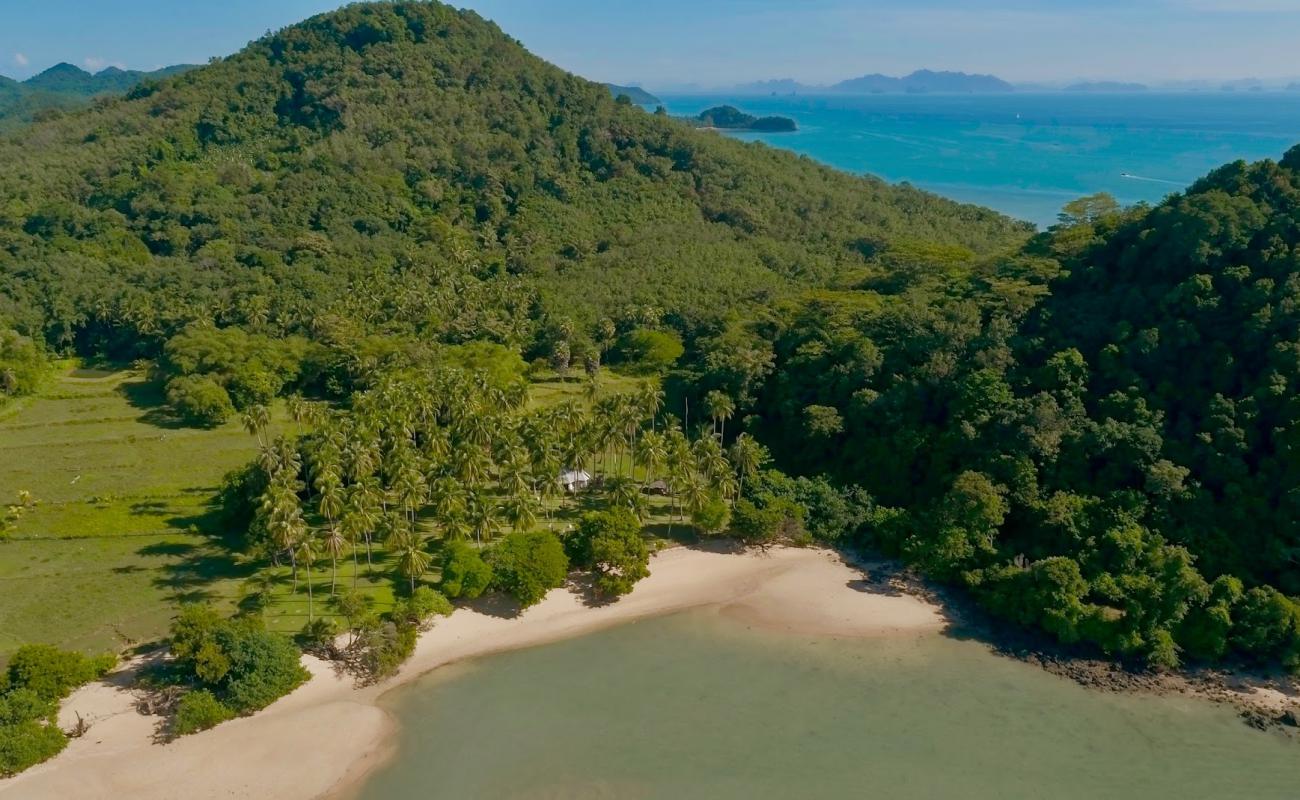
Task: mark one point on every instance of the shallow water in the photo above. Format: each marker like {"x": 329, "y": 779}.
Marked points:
{"x": 1028, "y": 154}
{"x": 699, "y": 706}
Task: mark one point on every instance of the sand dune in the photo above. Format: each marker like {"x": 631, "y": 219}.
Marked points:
{"x": 322, "y": 739}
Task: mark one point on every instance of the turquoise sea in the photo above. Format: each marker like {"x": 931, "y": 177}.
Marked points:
{"x": 1028, "y": 154}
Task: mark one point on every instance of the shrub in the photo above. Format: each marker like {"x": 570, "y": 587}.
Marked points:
{"x": 244, "y": 665}
{"x": 199, "y": 399}
{"x": 26, "y": 744}
{"x": 423, "y": 604}
{"x": 318, "y": 634}
{"x": 464, "y": 572}
{"x": 53, "y": 673}
{"x": 199, "y": 710}
{"x": 28, "y": 734}
{"x": 263, "y": 666}
{"x": 712, "y": 516}
{"x": 777, "y": 520}
{"x": 384, "y": 647}
{"x": 528, "y": 565}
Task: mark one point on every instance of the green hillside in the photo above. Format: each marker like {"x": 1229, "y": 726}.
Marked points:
{"x": 379, "y": 143}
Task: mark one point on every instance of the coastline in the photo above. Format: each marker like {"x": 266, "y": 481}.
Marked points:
{"x": 326, "y": 737}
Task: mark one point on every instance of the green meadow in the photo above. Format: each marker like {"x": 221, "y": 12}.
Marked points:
{"x": 122, "y": 530}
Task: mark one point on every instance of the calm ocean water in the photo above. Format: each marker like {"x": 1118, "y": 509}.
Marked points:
{"x": 1028, "y": 154}
{"x": 699, "y": 706}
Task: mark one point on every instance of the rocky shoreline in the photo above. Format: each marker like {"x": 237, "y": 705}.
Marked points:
{"x": 1265, "y": 700}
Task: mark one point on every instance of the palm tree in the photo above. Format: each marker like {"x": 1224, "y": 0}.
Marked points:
{"x": 299, "y": 410}
{"x": 521, "y": 509}
{"x": 694, "y": 492}
{"x": 720, "y": 408}
{"x": 748, "y": 457}
{"x": 412, "y": 558}
{"x": 330, "y": 505}
{"x": 306, "y": 553}
{"x": 482, "y": 516}
{"x": 256, "y": 420}
{"x": 651, "y": 400}
{"x": 652, "y": 450}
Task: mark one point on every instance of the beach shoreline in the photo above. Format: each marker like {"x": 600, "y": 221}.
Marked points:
{"x": 324, "y": 739}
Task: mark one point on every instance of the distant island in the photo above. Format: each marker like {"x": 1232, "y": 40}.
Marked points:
{"x": 1103, "y": 87}
{"x": 733, "y": 119}
{"x": 64, "y": 87}
{"x": 634, "y": 93}
{"x": 925, "y": 81}
{"x": 921, "y": 81}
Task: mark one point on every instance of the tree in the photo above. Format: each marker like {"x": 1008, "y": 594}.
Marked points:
{"x": 199, "y": 399}
{"x": 650, "y": 351}
{"x": 528, "y": 564}
{"x": 412, "y": 558}
{"x": 748, "y": 457}
{"x": 611, "y": 545}
{"x": 719, "y": 407}
{"x": 464, "y": 572}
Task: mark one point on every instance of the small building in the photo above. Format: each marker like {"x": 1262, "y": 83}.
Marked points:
{"x": 575, "y": 481}
{"x": 659, "y": 488}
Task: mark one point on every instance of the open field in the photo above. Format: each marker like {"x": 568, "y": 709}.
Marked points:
{"x": 122, "y": 531}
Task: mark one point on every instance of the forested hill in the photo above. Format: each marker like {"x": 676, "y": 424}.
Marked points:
{"x": 406, "y": 166}
{"x": 1119, "y": 465}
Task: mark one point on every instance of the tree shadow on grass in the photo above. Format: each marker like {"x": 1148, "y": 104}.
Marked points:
{"x": 172, "y": 549}
{"x": 148, "y": 396}
{"x": 191, "y": 572}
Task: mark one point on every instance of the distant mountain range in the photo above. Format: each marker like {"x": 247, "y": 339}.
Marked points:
{"x": 920, "y": 82}
{"x": 1106, "y": 87}
{"x": 64, "y": 87}
{"x": 930, "y": 81}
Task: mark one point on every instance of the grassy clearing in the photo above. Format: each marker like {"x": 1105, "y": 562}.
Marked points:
{"x": 123, "y": 533}
{"x": 122, "y": 529}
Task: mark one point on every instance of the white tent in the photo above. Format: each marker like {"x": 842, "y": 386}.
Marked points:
{"x": 575, "y": 480}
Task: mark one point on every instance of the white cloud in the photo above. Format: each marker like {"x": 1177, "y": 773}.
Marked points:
{"x": 20, "y": 59}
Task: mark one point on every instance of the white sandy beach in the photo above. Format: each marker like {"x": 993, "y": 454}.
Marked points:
{"x": 320, "y": 740}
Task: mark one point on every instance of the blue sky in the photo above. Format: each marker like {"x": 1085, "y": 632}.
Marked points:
{"x": 714, "y": 42}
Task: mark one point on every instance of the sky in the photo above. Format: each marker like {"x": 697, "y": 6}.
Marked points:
{"x": 672, "y": 43}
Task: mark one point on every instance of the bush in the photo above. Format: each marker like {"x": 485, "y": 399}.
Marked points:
{"x": 464, "y": 572}
{"x": 528, "y": 565}
{"x": 199, "y": 710}
{"x": 384, "y": 647}
{"x": 420, "y": 607}
{"x": 243, "y": 664}
{"x": 199, "y": 399}
{"x": 711, "y": 517}
{"x": 263, "y": 666}
{"x": 53, "y": 673}
{"x": 318, "y": 634}
{"x": 28, "y": 743}
{"x": 778, "y": 520}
